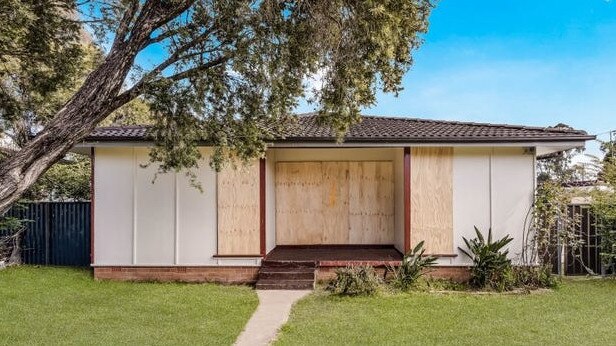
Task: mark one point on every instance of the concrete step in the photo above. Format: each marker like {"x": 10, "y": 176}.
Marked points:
{"x": 286, "y": 275}
{"x": 285, "y": 284}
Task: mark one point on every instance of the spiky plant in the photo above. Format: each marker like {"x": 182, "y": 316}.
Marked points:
{"x": 412, "y": 267}
{"x": 491, "y": 267}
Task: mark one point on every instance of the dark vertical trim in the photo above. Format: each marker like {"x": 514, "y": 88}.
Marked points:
{"x": 262, "y": 205}
{"x": 92, "y": 205}
{"x": 407, "y": 199}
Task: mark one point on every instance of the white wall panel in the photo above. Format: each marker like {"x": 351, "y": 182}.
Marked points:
{"x": 471, "y": 196}
{"x": 155, "y": 214}
{"x": 113, "y": 222}
{"x": 196, "y": 216}
{"x": 492, "y": 188}
{"x": 512, "y": 194}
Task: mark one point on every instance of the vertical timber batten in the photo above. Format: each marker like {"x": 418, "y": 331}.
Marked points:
{"x": 407, "y": 199}
{"x": 262, "y": 206}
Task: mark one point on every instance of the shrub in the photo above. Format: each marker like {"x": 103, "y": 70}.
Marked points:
{"x": 413, "y": 266}
{"x": 353, "y": 281}
{"x": 534, "y": 277}
{"x": 491, "y": 267}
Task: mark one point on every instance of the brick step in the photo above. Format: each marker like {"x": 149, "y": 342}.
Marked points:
{"x": 286, "y": 275}
{"x": 285, "y": 284}
{"x": 286, "y": 270}
{"x": 288, "y": 264}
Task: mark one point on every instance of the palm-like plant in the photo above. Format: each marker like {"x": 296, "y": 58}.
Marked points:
{"x": 412, "y": 267}
{"x": 490, "y": 262}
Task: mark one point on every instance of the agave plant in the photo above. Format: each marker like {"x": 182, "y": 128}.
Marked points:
{"x": 412, "y": 267}
{"x": 490, "y": 263}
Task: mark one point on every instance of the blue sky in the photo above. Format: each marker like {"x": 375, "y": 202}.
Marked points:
{"x": 537, "y": 62}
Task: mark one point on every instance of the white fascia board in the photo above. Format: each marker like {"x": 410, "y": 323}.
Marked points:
{"x": 548, "y": 145}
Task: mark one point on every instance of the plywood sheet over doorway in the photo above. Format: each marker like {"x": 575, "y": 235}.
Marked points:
{"x": 337, "y": 202}
{"x": 238, "y": 210}
{"x": 432, "y": 198}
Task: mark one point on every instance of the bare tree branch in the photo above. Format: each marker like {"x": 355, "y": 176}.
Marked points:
{"x": 138, "y": 88}
{"x": 193, "y": 71}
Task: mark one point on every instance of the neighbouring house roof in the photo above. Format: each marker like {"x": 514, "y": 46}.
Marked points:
{"x": 373, "y": 129}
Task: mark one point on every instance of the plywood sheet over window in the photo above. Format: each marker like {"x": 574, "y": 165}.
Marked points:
{"x": 432, "y": 198}
{"x": 238, "y": 210}
{"x": 334, "y": 202}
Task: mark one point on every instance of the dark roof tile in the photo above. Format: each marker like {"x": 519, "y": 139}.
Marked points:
{"x": 388, "y": 129}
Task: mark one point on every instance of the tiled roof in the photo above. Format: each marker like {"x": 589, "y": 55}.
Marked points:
{"x": 387, "y": 130}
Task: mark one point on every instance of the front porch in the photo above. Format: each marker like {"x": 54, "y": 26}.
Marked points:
{"x": 337, "y": 255}
{"x": 299, "y": 266}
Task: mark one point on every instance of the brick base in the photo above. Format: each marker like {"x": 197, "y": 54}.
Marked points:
{"x": 454, "y": 273}
{"x": 218, "y": 274}
{"x": 240, "y": 275}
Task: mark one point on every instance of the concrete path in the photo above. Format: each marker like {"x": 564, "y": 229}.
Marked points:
{"x": 272, "y": 312}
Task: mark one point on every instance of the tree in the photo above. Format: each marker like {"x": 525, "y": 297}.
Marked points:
{"x": 604, "y": 205}
{"x": 550, "y": 224}
{"x": 43, "y": 59}
{"x": 233, "y": 72}
{"x": 68, "y": 179}
{"x": 136, "y": 112}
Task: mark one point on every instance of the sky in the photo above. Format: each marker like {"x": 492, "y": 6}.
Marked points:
{"x": 538, "y": 62}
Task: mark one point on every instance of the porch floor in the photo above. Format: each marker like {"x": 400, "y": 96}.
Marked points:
{"x": 337, "y": 255}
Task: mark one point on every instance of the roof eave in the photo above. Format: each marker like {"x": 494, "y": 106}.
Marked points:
{"x": 328, "y": 141}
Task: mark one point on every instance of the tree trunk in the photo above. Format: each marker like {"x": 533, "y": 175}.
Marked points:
{"x": 75, "y": 120}
{"x": 94, "y": 101}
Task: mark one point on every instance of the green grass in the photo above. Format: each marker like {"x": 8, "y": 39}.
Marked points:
{"x": 66, "y": 306}
{"x": 577, "y": 313}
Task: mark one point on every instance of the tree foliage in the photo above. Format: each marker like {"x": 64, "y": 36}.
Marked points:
{"x": 232, "y": 71}
{"x": 67, "y": 180}
{"x": 42, "y": 62}
{"x": 550, "y": 225}
{"x": 604, "y": 205}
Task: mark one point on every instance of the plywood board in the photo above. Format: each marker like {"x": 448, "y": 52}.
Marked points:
{"x": 432, "y": 198}
{"x": 335, "y": 208}
{"x": 371, "y": 203}
{"x": 299, "y": 215}
{"x": 334, "y": 202}
{"x": 238, "y": 210}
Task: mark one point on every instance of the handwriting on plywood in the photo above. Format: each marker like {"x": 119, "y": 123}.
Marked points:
{"x": 334, "y": 202}
{"x": 432, "y": 198}
{"x": 238, "y": 210}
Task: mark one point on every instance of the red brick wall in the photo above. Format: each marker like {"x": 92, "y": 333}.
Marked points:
{"x": 455, "y": 273}
{"x": 220, "y": 274}
{"x": 237, "y": 275}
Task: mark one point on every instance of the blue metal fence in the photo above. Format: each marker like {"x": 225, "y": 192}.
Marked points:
{"x": 57, "y": 233}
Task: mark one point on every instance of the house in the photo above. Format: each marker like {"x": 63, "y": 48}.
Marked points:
{"x": 392, "y": 183}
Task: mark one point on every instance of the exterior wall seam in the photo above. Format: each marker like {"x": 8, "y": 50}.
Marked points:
{"x": 491, "y": 187}
{"x": 134, "y": 206}
{"x": 176, "y": 220}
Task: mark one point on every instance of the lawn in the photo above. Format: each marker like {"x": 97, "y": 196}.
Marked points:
{"x": 66, "y": 306}
{"x": 577, "y": 313}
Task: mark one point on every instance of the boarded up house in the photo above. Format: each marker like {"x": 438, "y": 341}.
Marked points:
{"x": 392, "y": 183}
